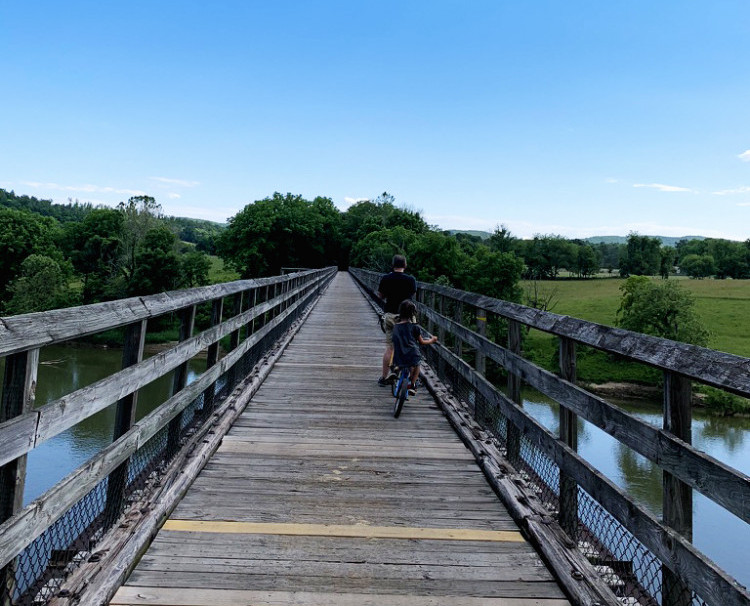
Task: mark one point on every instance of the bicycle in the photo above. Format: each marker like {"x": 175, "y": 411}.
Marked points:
{"x": 400, "y": 390}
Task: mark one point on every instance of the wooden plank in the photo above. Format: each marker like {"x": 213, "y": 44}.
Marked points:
{"x": 411, "y": 586}
{"x": 405, "y": 452}
{"x": 171, "y": 596}
{"x": 338, "y": 530}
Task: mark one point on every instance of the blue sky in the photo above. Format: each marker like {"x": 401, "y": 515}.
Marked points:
{"x": 573, "y": 118}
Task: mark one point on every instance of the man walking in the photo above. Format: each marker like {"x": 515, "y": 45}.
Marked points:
{"x": 394, "y": 287}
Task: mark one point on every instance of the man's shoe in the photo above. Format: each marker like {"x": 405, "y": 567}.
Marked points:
{"x": 382, "y": 382}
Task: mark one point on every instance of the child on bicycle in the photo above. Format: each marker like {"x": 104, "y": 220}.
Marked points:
{"x": 406, "y": 341}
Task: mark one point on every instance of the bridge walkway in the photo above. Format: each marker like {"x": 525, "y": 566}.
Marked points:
{"x": 318, "y": 495}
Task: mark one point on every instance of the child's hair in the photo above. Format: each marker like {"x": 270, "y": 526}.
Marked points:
{"x": 407, "y": 310}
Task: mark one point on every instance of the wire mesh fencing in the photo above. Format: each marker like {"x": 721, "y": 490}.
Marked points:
{"x": 629, "y": 568}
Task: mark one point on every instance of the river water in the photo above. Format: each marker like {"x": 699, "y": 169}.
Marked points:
{"x": 719, "y": 534}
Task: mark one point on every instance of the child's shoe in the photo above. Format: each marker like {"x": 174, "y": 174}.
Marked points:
{"x": 412, "y": 389}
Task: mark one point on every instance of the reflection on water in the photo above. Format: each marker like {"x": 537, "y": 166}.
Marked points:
{"x": 63, "y": 370}
{"x": 719, "y": 534}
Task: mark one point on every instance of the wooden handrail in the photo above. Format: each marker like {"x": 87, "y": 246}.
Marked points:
{"x": 29, "y": 331}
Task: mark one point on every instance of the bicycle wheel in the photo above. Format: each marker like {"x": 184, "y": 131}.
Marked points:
{"x": 401, "y": 394}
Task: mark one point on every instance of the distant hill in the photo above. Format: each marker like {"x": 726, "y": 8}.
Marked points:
{"x": 482, "y": 234}
{"x": 665, "y": 240}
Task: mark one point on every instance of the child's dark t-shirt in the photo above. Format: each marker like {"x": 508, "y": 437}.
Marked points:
{"x": 405, "y": 344}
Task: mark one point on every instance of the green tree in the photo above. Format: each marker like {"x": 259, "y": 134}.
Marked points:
{"x": 698, "y": 266}
{"x": 23, "y": 234}
{"x": 495, "y": 274}
{"x": 642, "y": 256}
{"x": 283, "y": 230}
{"x": 434, "y": 254}
{"x": 42, "y": 285}
{"x": 375, "y": 251}
{"x": 194, "y": 268}
{"x": 368, "y": 216}
{"x": 546, "y": 255}
{"x": 157, "y": 267}
{"x": 502, "y": 240}
{"x": 667, "y": 255}
{"x": 662, "y": 309}
{"x": 586, "y": 262}
{"x": 140, "y": 214}
{"x": 95, "y": 247}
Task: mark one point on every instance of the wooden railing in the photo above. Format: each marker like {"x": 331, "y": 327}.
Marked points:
{"x": 686, "y": 576}
{"x": 259, "y": 312}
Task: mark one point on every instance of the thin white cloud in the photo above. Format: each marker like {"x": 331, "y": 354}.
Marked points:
{"x": 173, "y": 196}
{"x": 743, "y": 203}
{"x": 728, "y": 192}
{"x": 662, "y": 187}
{"x": 87, "y": 188}
{"x": 611, "y": 180}
{"x": 178, "y": 182}
{"x": 745, "y": 156}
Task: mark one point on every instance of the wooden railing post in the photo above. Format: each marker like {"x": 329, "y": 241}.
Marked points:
{"x": 458, "y": 317}
{"x": 19, "y": 391}
{"x": 569, "y": 436}
{"x": 430, "y": 323}
{"x": 132, "y": 353}
{"x": 187, "y": 321}
{"x": 480, "y": 361}
{"x": 678, "y": 496}
{"x": 234, "y": 337}
{"x": 441, "y": 336}
{"x": 217, "y": 311}
{"x": 514, "y": 392}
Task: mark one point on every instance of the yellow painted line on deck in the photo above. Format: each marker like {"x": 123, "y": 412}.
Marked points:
{"x": 348, "y": 531}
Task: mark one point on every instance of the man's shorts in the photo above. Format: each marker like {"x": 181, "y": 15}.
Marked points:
{"x": 389, "y": 322}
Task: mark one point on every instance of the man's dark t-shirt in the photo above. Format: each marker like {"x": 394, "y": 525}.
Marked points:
{"x": 395, "y": 287}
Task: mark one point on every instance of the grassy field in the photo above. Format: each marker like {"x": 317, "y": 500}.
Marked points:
{"x": 218, "y": 273}
{"x": 723, "y": 305}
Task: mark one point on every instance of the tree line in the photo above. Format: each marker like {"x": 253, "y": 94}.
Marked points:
{"x": 55, "y": 255}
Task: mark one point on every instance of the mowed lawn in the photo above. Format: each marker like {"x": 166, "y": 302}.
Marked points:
{"x": 723, "y": 305}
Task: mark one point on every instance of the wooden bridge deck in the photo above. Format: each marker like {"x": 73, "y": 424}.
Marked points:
{"x": 319, "y": 496}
